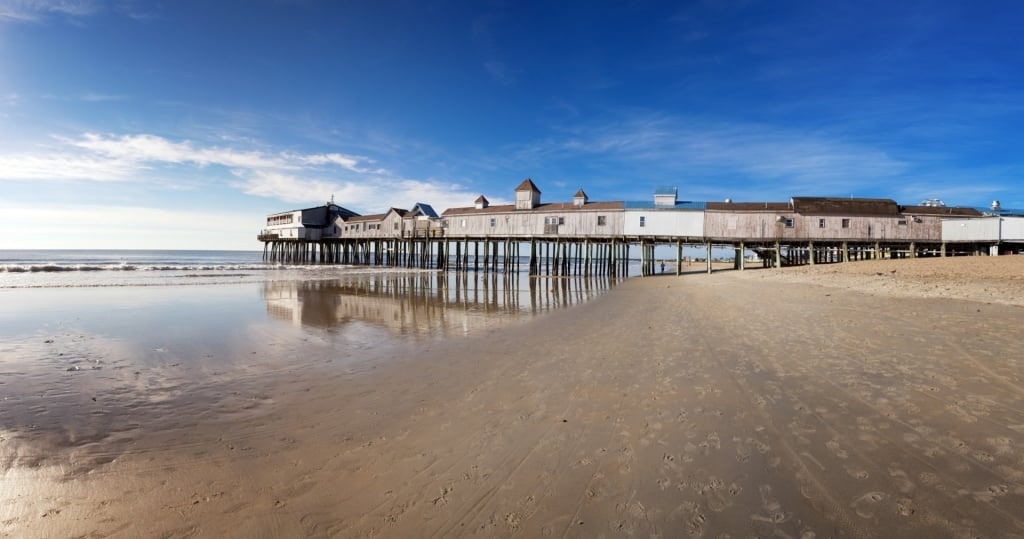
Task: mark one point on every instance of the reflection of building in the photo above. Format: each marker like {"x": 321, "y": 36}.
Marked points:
{"x": 422, "y": 303}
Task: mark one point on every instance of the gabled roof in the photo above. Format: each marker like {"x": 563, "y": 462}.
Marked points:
{"x": 317, "y": 213}
{"x": 845, "y": 206}
{"x": 338, "y": 211}
{"x": 481, "y": 200}
{"x": 580, "y": 194}
{"x": 527, "y": 185}
{"x": 541, "y": 208}
{"x": 749, "y": 206}
{"x": 941, "y": 210}
{"x": 421, "y": 208}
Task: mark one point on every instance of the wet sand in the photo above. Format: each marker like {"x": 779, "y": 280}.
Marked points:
{"x": 745, "y": 404}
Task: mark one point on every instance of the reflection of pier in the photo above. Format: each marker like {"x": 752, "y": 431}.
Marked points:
{"x": 423, "y": 303}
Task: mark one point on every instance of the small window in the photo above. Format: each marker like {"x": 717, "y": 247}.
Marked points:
{"x": 821, "y": 223}
{"x": 463, "y": 223}
{"x": 902, "y": 222}
{"x": 787, "y": 222}
{"x": 643, "y": 221}
{"x": 600, "y": 220}
{"x": 493, "y": 222}
{"x": 846, "y": 223}
{"x": 561, "y": 220}
{"x": 396, "y": 226}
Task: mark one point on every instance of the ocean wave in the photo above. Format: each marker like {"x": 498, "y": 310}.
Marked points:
{"x": 54, "y": 267}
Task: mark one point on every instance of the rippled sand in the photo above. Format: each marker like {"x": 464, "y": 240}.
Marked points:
{"x": 733, "y": 405}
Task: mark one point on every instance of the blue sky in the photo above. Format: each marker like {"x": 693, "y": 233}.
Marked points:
{"x": 181, "y": 124}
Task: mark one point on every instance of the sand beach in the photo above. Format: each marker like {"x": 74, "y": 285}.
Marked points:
{"x": 869, "y": 399}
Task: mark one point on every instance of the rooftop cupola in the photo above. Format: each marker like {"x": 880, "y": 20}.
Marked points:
{"x": 665, "y": 196}
{"x": 580, "y": 198}
{"x": 527, "y": 195}
{"x": 481, "y": 202}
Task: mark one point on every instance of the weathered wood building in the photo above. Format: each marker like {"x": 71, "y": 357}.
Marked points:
{"x": 584, "y": 237}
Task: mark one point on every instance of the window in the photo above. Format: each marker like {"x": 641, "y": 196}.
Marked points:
{"x": 902, "y": 222}
{"x": 463, "y": 223}
{"x": 493, "y": 221}
{"x": 600, "y": 220}
{"x": 554, "y": 220}
{"x": 396, "y": 226}
{"x": 787, "y": 222}
{"x": 821, "y": 223}
{"x": 846, "y": 223}
{"x": 643, "y": 221}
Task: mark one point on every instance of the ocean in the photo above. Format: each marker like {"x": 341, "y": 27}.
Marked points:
{"x": 97, "y": 288}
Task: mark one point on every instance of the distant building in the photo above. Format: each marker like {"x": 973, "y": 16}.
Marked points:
{"x": 530, "y": 217}
{"x": 307, "y": 224}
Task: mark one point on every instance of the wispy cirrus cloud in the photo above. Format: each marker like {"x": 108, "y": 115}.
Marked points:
{"x": 662, "y": 145}
{"x": 97, "y": 157}
{"x": 500, "y": 72}
{"x": 287, "y": 176}
{"x": 97, "y": 98}
{"x": 35, "y": 10}
{"x": 368, "y": 193}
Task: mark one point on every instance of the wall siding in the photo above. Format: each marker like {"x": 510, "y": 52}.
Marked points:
{"x": 579, "y": 223}
{"x": 661, "y": 222}
{"x": 765, "y": 226}
{"x": 983, "y": 229}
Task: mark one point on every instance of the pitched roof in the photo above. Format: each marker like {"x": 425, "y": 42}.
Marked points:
{"x": 527, "y": 185}
{"x": 845, "y": 206}
{"x": 942, "y": 210}
{"x": 480, "y": 200}
{"x": 424, "y": 209}
{"x": 361, "y": 218}
{"x": 749, "y": 206}
{"x": 580, "y": 194}
{"x": 542, "y": 208}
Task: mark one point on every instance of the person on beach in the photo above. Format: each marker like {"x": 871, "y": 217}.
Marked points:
{"x": 663, "y": 267}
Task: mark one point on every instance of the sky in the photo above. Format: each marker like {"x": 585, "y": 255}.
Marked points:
{"x": 180, "y": 124}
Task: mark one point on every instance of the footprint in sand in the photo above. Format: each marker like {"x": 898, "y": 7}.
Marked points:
{"x": 838, "y": 451}
{"x": 903, "y": 482}
{"x": 905, "y": 507}
{"x": 866, "y": 504}
{"x": 858, "y": 474}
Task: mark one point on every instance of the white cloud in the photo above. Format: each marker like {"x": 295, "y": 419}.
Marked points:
{"x": 34, "y": 10}
{"x": 761, "y": 153}
{"x": 66, "y": 167}
{"x": 290, "y": 177}
{"x": 98, "y": 98}
{"x": 366, "y": 194}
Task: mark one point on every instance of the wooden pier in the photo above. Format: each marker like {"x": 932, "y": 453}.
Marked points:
{"x": 582, "y": 238}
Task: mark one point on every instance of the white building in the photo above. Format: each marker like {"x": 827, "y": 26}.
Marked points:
{"x": 306, "y": 224}
{"x": 665, "y": 217}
